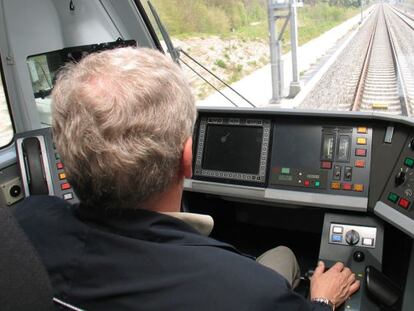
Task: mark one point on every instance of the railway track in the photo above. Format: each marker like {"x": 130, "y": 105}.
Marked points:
{"x": 381, "y": 85}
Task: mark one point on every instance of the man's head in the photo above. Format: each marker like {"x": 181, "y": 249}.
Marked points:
{"x": 120, "y": 121}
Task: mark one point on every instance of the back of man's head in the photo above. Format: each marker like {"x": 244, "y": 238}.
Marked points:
{"x": 120, "y": 119}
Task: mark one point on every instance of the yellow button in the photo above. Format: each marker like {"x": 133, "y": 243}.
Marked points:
{"x": 62, "y": 176}
{"x": 336, "y": 185}
{"x": 359, "y": 187}
{"x": 361, "y": 141}
{"x": 362, "y": 130}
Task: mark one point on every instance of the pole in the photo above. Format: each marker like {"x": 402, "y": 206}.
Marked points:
{"x": 295, "y": 84}
{"x": 362, "y": 13}
{"x": 275, "y": 58}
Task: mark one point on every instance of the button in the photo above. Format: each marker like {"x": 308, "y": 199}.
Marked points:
{"x": 404, "y": 203}
{"x": 362, "y": 130}
{"x": 336, "y": 185}
{"x": 337, "y": 229}
{"x": 361, "y": 152}
{"x": 358, "y": 187}
{"x": 62, "y": 176}
{"x": 68, "y": 196}
{"x": 285, "y": 171}
{"x": 65, "y": 186}
{"x": 361, "y": 141}
{"x": 367, "y": 241}
{"x": 360, "y": 163}
{"x": 59, "y": 165}
{"x": 336, "y": 238}
{"x": 337, "y": 172}
{"x": 57, "y": 156}
{"x": 326, "y": 165}
{"x": 393, "y": 197}
{"x": 409, "y": 162}
{"x": 306, "y": 183}
{"x": 347, "y": 186}
{"x": 317, "y": 184}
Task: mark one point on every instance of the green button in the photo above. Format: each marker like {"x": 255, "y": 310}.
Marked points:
{"x": 393, "y": 197}
{"x": 317, "y": 183}
{"x": 285, "y": 171}
{"x": 409, "y": 162}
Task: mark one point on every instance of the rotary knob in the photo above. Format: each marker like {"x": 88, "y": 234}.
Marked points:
{"x": 412, "y": 144}
{"x": 352, "y": 237}
{"x": 400, "y": 178}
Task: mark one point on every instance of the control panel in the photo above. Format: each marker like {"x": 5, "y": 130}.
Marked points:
{"x": 345, "y": 234}
{"x": 41, "y": 167}
{"x": 326, "y": 159}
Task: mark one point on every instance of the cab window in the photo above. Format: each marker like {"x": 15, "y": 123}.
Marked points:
{"x": 6, "y": 128}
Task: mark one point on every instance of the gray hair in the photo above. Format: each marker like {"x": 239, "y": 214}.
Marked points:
{"x": 120, "y": 120}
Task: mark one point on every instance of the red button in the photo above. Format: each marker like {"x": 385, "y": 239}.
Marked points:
{"x": 306, "y": 183}
{"x": 347, "y": 186}
{"x": 59, "y": 165}
{"x": 361, "y": 152}
{"x": 326, "y": 165}
{"x": 359, "y": 163}
{"x": 65, "y": 186}
{"x": 404, "y": 203}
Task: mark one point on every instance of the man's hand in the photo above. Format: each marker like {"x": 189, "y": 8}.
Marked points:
{"x": 337, "y": 284}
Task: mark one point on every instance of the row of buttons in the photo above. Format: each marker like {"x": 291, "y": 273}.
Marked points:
{"x": 347, "y": 186}
{"x": 394, "y": 198}
{"x": 62, "y": 177}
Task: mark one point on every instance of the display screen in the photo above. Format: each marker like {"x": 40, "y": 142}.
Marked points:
{"x": 233, "y": 148}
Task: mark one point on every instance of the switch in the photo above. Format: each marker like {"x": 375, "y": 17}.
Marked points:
{"x": 352, "y": 237}
{"x": 393, "y": 197}
{"x": 361, "y": 141}
{"x": 317, "y": 184}
{"x": 285, "y": 171}
{"x": 338, "y": 229}
{"x": 360, "y": 163}
{"x": 57, "y": 156}
{"x": 361, "y": 152}
{"x": 336, "y": 185}
{"x": 409, "y": 162}
{"x": 362, "y": 130}
{"x": 306, "y": 183}
{"x": 62, "y": 176}
{"x": 347, "y": 186}
{"x": 337, "y": 172}
{"x": 68, "y": 196}
{"x": 59, "y": 165}
{"x": 368, "y": 242}
{"x": 399, "y": 178}
{"x": 336, "y": 238}
{"x": 358, "y": 187}
{"x": 65, "y": 186}
{"x": 348, "y": 173}
{"x": 326, "y": 165}
{"x": 404, "y": 203}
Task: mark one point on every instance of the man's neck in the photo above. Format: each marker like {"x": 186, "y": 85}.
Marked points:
{"x": 168, "y": 201}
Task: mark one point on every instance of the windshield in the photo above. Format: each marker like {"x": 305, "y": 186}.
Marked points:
{"x": 327, "y": 55}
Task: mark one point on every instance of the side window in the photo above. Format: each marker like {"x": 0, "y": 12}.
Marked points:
{"x": 6, "y": 128}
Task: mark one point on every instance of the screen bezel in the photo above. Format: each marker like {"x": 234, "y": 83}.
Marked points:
{"x": 199, "y": 171}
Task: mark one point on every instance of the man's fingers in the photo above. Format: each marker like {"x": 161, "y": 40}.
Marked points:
{"x": 354, "y": 287}
{"x": 320, "y": 268}
{"x": 339, "y": 266}
{"x": 347, "y": 272}
{"x": 351, "y": 278}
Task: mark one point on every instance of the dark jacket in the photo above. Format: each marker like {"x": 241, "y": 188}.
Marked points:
{"x": 141, "y": 260}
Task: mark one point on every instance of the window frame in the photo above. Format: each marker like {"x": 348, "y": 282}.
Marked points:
{"x": 7, "y": 99}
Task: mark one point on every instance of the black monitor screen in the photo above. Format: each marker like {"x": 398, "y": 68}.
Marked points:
{"x": 233, "y": 148}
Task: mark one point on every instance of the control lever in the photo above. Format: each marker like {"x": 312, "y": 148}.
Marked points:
{"x": 381, "y": 288}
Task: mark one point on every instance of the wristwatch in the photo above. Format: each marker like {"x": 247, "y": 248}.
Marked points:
{"x": 324, "y": 301}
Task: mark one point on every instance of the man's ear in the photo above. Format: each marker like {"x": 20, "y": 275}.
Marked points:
{"x": 187, "y": 158}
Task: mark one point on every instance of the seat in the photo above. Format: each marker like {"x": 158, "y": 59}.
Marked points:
{"x": 24, "y": 283}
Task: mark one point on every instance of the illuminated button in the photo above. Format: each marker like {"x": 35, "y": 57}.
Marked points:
{"x": 347, "y": 186}
{"x": 361, "y": 141}
{"x": 285, "y": 171}
{"x": 62, "y": 176}
{"x": 358, "y": 187}
{"x": 68, "y": 196}
{"x": 393, "y": 197}
{"x": 336, "y": 185}
{"x": 360, "y": 163}
{"x": 59, "y": 165}
{"x": 65, "y": 186}
{"x": 404, "y": 203}
{"x": 409, "y": 162}
{"x": 367, "y": 241}
{"x": 361, "y": 152}
{"x": 317, "y": 184}
{"x": 336, "y": 238}
{"x": 337, "y": 229}
{"x": 306, "y": 183}
{"x": 326, "y": 165}
{"x": 362, "y": 130}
